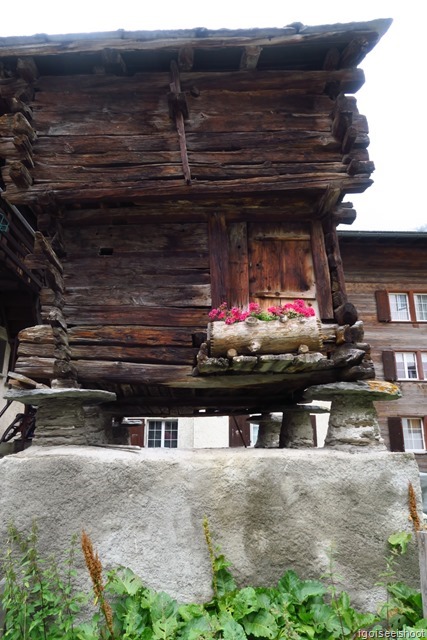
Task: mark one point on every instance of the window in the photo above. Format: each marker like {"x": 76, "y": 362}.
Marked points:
{"x": 405, "y": 365}
{"x": 421, "y": 306}
{"x": 408, "y": 434}
{"x": 401, "y": 306}
{"x": 254, "y": 434}
{"x": 413, "y": 434}
{"x": 162, "y": 433}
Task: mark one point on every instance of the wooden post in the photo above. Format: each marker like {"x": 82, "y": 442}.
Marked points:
{"x": 422, "y": 550}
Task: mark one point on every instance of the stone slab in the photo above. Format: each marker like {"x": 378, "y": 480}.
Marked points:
{"x": 269, "y": 510}
{"x": 36, "y": 396}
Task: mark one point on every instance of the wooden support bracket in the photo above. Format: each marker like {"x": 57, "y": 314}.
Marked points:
{"x": 178, "y": 107}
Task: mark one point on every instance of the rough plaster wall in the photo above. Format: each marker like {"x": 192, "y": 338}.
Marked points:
{"x": 269, "y": 510}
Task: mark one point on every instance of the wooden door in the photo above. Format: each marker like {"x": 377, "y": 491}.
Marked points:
{"x": 280, "y": 263}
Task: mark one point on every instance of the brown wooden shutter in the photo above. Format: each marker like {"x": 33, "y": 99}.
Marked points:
{"x": 389, "y": 366}
{"x": 239, "y": 431}
{"x": 383, "y": 306}
{"x": 136, "y": 434}
{"x": 396, "y": 434}
{"x": 425, "y": 431}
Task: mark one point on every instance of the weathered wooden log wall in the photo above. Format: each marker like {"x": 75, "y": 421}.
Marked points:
{"x": 110, "y": 138}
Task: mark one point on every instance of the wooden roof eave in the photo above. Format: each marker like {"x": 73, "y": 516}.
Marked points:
{"x": 121, "y": 40}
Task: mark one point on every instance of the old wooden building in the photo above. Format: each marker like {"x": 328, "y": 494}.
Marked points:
{"x": 168, "y": 172}
{"x": 386, "y": 276}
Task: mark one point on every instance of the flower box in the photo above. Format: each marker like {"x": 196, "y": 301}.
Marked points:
{"x": 254, "y": 336}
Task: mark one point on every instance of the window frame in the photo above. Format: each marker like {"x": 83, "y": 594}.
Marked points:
{"x": 418, "y": 294}
{"x": 406, "y": 365}
{"x": 396, "y": 433}
{"x": 422, "y": 431}
{"x": 162, "y": 433}
{"x": 390, "y": 365}
{"x": 384, "y": 313}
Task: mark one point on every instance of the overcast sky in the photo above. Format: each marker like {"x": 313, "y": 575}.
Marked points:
{"x": 392, "y": 97}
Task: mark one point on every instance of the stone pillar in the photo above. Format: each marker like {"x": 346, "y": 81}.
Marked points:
{"x": 353, "y": 417}
{"x": 269, "y": 430}
{"x": 68, "y": 416}
{"x": 297, "y": 430}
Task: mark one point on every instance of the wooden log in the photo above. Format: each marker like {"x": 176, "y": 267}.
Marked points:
{"x": 344, "y": 214}
{"x": 35, "y": 367}
{"x": 359, "y": 166}
{"x": 56, "y": 319}
{"x": 38, "y": 334}
{"x": 341, "y": 123}
{"x": 70, "y": 192}
{"x": 131, "y": 372}
{"x": 275, "y": 337}
{"x": 149, "y": 354}
{"x": 130, "y": 335}
{"x": 20, "y": 125}
{"x": 20, "y": 175}
{"x": 113, "y": 62}
{"x": 24, "y": 149}
{"x": 42, "y": 350}
{"x": 24, "y": 381}
{"x": 53, "y": 276}
{"x": 181, "y": 113}
{"x": 349, "y": 139}
{"x": 321, "y": 270}
{"x": 64, "y": 369}
{"x": 250, "y": 57}
{"x": 186, "y": 58}
{"x": 26, "y": 68}
{"x": 44, "y": 247}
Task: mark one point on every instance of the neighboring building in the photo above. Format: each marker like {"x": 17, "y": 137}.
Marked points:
{"x": 386, "y": 278}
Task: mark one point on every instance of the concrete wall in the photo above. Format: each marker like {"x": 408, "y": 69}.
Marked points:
{"x": 269, "y": 510}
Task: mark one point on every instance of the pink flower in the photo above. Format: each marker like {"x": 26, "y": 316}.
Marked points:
{"x": 295, "y": 309}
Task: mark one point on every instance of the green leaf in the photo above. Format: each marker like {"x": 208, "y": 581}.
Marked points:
{"x": 261, "y": 625}
{"x": 163, "y": 606}
{"x": 289, "y": 582}
{"x": 189, "y": 611}
{"x": 246, "y": 601}
{"x": 124, "y": 582}
{"x": 231, "y": 629}
{"x": 164, "y": 616}
{"x": 224, "y": 582}
{"x": 400, "y": 540}
{"x": 199, "y": 628}
{"x": 308, "y": 589}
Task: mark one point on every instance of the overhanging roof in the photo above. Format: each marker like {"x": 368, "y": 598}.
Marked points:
{"x": 292, "y": 47}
